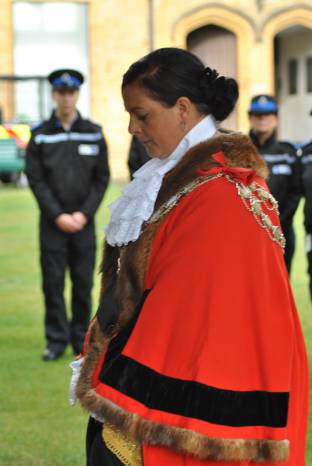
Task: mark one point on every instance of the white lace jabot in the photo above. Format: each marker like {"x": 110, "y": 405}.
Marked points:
{"x": 136, "y": 204}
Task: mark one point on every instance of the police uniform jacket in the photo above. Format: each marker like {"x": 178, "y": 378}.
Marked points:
{"x": 138, "y": 156}
{"x": 306, "y": 183}
{"x": 67, "y": 170}
{"x": 284, "y": 174}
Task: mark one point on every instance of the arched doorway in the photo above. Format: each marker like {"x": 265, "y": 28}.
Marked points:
{"x": 293, "y": 81}
{"x": 217, "y": 48}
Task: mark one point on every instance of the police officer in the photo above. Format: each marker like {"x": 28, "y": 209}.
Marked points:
{"x": 282, "y": 161}
{"x": 67, "y": 169}
{"x": 137, "y": 157}
{"x": 306, "y": 182}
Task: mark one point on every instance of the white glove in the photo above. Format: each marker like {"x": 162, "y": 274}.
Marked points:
{"x": 76, "y": 367}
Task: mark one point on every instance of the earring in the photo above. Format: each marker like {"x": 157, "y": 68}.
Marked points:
{"x": 183, "y": 125}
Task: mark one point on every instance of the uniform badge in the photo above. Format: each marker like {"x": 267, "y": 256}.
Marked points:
{"x": 88, "y": 149}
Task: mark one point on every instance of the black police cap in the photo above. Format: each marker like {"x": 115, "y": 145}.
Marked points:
{"x": 65, "y": 79}
{"x": 263, "y": 104}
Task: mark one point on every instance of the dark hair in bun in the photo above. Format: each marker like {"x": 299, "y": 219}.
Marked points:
{"x": 169, "y": 73}
{"x": 220, "y": 93}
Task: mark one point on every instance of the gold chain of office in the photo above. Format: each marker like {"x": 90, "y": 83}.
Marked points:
{"x": 253, "y": 197}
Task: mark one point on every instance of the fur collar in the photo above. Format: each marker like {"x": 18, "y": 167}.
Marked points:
{"x": 239, "y": 152}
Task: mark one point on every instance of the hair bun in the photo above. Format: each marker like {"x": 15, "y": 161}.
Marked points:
{"x": 220, "y": 93}
{"x": 227, "y": 86}
{"x": 207, "y": 82}
{"x": 210, "y": 75}
{"x": 225, "y": 98}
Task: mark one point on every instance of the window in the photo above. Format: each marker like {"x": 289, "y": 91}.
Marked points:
{"x": 48, "y": 35}
{"x": 309, "y": 74}
{"x": 293, "y": 76}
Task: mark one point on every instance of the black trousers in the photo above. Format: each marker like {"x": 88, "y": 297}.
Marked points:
{"x": 290, "y": 237}
{"x": 60, "y": 251}
{"x": 309, "y": 257}
{"x": 97, "y": 452}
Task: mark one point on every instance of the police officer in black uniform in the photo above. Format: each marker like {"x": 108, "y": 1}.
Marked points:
{"x": 283, "y": 163}
{"x": 67, "y": 169}
{"x": 137, "y": 157}
{"x": 306, "y": 183}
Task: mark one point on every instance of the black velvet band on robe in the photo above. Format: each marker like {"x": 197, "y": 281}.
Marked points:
{"x": 214, "y": 405}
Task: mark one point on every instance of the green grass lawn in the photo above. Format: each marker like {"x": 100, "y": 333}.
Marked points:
{"x": 37, "y": 427}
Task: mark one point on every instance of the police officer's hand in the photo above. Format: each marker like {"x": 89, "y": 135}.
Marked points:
{"x": 67, "y": 223}
{"x": 80, "y": 218}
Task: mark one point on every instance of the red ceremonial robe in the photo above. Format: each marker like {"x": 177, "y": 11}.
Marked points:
{"x": 213, "y": 371}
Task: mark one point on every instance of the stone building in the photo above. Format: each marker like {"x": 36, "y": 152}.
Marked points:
{"x": 265, "y": 44}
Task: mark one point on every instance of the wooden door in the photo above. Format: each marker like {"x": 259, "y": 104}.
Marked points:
{"x": 217, "y": 48}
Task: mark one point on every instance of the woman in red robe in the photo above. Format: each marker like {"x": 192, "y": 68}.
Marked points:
{"x": 196, "y": 355}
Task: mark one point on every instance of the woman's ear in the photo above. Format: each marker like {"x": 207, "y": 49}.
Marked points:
{"x": 184, "y": 106}
{"x": 186, "y": 112}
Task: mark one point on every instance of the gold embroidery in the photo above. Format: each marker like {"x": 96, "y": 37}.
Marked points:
{"x": 253, "y": 196}
{"x": 128, "y": 451}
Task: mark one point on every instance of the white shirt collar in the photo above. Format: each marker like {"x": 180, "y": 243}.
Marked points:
{"x": 136, "y": 204}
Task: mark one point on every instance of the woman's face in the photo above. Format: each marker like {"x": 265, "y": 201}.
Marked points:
{"x": 158, "y": 128}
